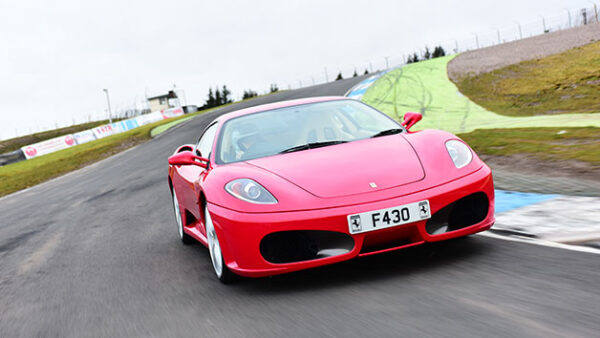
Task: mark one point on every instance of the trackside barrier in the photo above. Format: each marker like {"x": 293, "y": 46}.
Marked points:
{"x": 149, "y": 118}
{"x": 84, "y": 136}
{"x": 103, "y": 131}
{"x": 48, "y": 146}
{"x": 173, "y": 112}
{"x": 12, "y": 157}
{"x": 66, "y": 141}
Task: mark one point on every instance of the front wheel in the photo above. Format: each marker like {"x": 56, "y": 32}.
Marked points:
{"x": 214, "y": 247}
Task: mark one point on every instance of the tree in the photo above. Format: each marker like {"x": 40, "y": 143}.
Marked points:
{"x": 366, "y": 72}
{"x": 210, "y": 102}
{"x": 427, "y": 54}
{"x": 218, "y": 98}
{"x": 226, "y": 95}
{"x": 355, "y": 74}
{"x": 249, "y": 94}
{"x": 339, "y": 77}
{"x": 438, "y": 52}
{"x": 273, "y": 88}
{"x": 413, "y": 58}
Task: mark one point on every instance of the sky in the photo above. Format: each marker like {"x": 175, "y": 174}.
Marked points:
{"x": 56, "y": 57}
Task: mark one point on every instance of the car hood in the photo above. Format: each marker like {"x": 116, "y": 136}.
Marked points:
{"x": 350, "y": 168}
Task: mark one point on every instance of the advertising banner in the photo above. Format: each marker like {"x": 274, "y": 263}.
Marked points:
{"x": 117, "y": 127}
{"x": 48, "y": 146}
{"x": 129, "y": 124}
{"x": 172, "y": 112}
{"x": 103, "y": 131}
{"x": 84, "y": 136}
{"x": 148, "y": 118}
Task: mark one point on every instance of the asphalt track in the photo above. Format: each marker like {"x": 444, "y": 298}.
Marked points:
{"x": 95, "y": 253}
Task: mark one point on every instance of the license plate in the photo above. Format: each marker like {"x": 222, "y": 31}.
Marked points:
{"x": 387, "y": 218}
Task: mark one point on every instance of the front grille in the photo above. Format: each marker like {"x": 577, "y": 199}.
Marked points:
{"x": 303, "y": 245}
{"x": 460, "y": 214}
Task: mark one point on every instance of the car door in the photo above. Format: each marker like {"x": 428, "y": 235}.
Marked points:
{"x": 204, "y": 149}
{"x": 188, "y": 177}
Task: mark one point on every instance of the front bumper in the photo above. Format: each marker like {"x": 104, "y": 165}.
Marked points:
{"x": 241, "y": 233}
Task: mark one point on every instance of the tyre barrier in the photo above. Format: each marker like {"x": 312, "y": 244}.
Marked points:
{"x": 12, "y": 157}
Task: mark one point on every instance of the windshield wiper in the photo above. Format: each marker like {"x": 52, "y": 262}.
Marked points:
{"x": 388, "y": 132}
{"x": 310, "y": 146}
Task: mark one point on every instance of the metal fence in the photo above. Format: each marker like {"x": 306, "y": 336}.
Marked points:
{"x": 512, "y": 31}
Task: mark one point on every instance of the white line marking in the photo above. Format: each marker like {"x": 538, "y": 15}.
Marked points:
{"x": 542, "y": 242}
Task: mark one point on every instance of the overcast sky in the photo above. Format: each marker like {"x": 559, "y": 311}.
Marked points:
{"x": 57, "y": 56}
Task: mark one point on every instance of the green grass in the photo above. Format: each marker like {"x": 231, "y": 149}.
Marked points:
{"x": 549, "y": 144}
{"x": 24, "y": 174}
{"x": 164, "y": 127}
{"x": 425, "y": 87}
{"x": 568, "y": 82}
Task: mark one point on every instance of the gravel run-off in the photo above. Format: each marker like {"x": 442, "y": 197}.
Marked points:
{"x": 484, "y": 60}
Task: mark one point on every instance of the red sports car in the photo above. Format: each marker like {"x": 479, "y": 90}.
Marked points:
{"x": 304, "y": 183}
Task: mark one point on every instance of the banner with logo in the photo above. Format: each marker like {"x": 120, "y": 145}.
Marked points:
{"x": 48, "y": 146}
{"x": 66, "y": 141}
{"x": 172, "y": 112}
{"x": 84, "y": 136}
{"x": 129, "y": 124}
{"x": 103, "y": 131}
{"x": 117, "y": 127}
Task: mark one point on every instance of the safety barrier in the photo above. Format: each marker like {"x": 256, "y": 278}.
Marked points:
{"x": 66, "y": 141}
{"x": 12, "y": 157}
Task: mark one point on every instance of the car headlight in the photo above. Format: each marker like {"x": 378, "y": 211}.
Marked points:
{"x": 250, "y": 191}
{"x": 459, "y": 152}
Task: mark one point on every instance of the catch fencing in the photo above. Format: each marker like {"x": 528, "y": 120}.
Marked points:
{"x": 511, "y": 31}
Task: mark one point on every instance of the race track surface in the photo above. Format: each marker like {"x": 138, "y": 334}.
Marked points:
{"x": 95, "y": 253}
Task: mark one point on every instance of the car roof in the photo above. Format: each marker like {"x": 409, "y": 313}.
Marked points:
{"x": 280, "y": 104}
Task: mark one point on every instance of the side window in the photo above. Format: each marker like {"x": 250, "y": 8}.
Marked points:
{"x": 206, "y": 141}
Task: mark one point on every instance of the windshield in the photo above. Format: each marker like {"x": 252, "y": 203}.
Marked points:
{"x": 300, "y": 128}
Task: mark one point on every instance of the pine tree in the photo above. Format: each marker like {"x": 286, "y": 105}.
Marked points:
{"x": 438, "y": 52}
{"x": 210, "y": 102}
{"x": 415, "y": 58}
{"x": 339, "y": 77}
{"x": 249, "y": 93}
{"x": 366, "y": 72}
{"x": 355, "y": 74}
{"x": 218, "y": 98}
{"x": 427, "y": 54}
{"x": 226, "y": 95}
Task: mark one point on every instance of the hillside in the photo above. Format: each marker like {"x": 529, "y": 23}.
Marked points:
{"x": 564, "y": 83}
{"x": 487, "y": 59}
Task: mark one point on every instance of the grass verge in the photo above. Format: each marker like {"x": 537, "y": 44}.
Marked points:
{"x": 24, "y": 174}
{"x": 568, "y": 82}
{"x": 164, "y": 127}
{"x": 546, "y": 144}
{"x": 21, "y": 141}
{"x": 424, "y": 87}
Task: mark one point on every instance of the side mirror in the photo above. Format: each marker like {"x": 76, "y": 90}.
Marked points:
{"x": 188, "y": 158}
{"x": 410, "y": 119}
